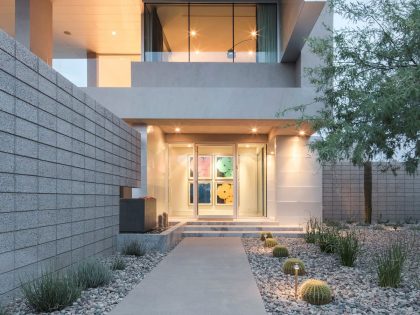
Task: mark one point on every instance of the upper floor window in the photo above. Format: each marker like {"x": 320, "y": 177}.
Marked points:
{"x": 210, "y": 33}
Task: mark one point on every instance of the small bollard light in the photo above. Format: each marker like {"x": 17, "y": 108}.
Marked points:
{"x": 296, "y": 267}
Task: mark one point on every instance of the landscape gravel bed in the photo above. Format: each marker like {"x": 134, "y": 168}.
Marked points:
{"x": 355, "y": 289}
{"x": 101, "y": 300}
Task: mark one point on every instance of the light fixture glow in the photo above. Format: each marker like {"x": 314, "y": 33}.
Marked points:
{"x": 197, "y": 51}
{"x": 113, "y": 33}
{"x": 177, "y": 129}
{"x": 250, "y": 52}
{"x": 272, "y": 152}
{"x": 193, "y": 33}
{"x": 254, "y": 130}
{"x": 254, "y": 33}
{"x": 302, "y": 133}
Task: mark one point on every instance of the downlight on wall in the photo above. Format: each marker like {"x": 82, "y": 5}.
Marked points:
{"x": 177, "y": 129}
{"x": 254, "y": 130}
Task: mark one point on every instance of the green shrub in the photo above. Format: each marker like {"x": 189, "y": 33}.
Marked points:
{"x": 327, "y": 239}
{"x": 390, "y": 264}
{"x": 264, "y": 235}
{"x": 312, "y": 228}
{"x": 133, "y": 248}
{"x": 336, "y": 224}
{"x": 118, "y": 263}
{"x": 51, "y": 292}
{"x": 316, "y": 292}
{"x": 92, "y": 274}
{"x": 289, "y": 266}
{"x": 280, "y": 251}
{"x": 347, "y": 248}
{"x": 270, "y": 242}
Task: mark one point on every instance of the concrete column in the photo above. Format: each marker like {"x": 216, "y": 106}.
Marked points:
{"x": 22, "y": 22}
{"x": 298, "y": 181}
{"x": 92, "y": 69}
{"x": 41, "y": 30}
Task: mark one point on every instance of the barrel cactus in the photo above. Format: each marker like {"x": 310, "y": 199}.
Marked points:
{"x": 265, "y": 235}
{"x": 289, "y": 266}
{"x": 270, "y": 242}
{"x": 316, "y": 292}
{"x": 280, "y": 251}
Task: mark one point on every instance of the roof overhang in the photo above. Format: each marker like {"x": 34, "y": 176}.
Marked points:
{"x": 308, "y": 14}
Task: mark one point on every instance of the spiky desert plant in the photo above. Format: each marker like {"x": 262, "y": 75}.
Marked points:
{"x": 92, "y": 274}
{"x": 327, "y": 239}
{"x": 280, "y": 251}
{"x": 316, "y": 292}
{"x": 118, "y": 263}
{"x": 133, "y": 248}
{"x": 270, "y": 242}
{"x": 347, "y": 248}
{"x": 312, "y": 228}
{"x": 289, "y": 266}
{"x": 264, "y": 235}
{"x": 390, "y": 264}
{"x": 51, "y": 292}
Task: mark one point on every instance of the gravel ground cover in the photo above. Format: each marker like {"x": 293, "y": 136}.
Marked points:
{"x": 355, "y": 289}
{"x": 101, "y": 300}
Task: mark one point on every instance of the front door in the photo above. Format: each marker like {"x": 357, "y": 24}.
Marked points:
{"x": 215, "y": 181}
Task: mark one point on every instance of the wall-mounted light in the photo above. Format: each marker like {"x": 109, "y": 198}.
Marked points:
{"x": 193, "y": 33}
{"x": 254, "y": 130}
{"x": 177, "y": 129}
{"x": 253, "y": 33}
{"x": 113, "y": 33}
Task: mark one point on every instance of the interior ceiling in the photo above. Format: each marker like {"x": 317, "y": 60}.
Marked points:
{"x": 223, "y": 126}
{"x": 91, "y": 23}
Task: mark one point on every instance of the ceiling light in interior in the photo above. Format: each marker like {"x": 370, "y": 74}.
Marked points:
{"x": 114, "y": 33}
{"x": 177, "y": 129}
{"x": 193, "y": 33}
{"x": 254, "y": 130}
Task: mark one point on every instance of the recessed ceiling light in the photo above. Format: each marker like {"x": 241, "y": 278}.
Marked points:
{"x": 113, "y": 33}
{"x": 67, "y": 32}
{"x": 193, "y": 33}
{"x": 254, "y": 130}
{"x": 302, "y": 133}
{"x": 177, "y": 129}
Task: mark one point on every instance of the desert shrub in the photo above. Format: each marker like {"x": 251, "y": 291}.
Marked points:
{"x": 378, "y": 227}
{"x": 118, "y": 263}
{"x": 316, "y": 292}
{"x": 336, "y": 224}
{"x": 3, "y": 311}
{"x": 51, "y": 292}
{"x": 270, "y": 242}
{"x": 347, "y": 248}
{"x": 280, "y": 251}
{"x": 263, "y": 235}
{"x": 312, "y": 228}
{"x": 289, "y": 266}
{"x": 327, "y": 239}
{"x": 92, "y": 274}
{"x": 134, "y": 248}
{"x": 411, "y": 220}
{"x": 390, "y": 264}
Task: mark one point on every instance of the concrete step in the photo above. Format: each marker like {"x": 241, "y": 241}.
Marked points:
{"x": 255, "y": 223}
{"x": 239, "y": 234}
{"x": 256, "y": 228}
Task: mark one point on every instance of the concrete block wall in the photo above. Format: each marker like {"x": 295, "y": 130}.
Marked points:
{"x": 63, "y": 158}
{"x": 394, "y": 198}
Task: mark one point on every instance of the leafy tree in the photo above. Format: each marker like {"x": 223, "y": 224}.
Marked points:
{"x": 369, "y": 83}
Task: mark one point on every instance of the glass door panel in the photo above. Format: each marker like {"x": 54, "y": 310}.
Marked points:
{"x": 214, "y": 181}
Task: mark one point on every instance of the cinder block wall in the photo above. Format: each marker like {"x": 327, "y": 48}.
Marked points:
{"x": 394, "y": 198}
{"x": 63, "y": 158}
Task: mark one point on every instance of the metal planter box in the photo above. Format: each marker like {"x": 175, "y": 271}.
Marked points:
{"x": 137, "y": 215}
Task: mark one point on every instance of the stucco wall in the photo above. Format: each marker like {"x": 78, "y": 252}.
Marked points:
{"x": 394, "y": 198}
{"x": 63, "y": 158}
{"x": 298, "y": 182}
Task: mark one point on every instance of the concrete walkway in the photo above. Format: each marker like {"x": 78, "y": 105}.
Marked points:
{"x": 203, "y": 276}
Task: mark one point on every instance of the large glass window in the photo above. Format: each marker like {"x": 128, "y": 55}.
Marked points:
{"x": 210, "y": 33}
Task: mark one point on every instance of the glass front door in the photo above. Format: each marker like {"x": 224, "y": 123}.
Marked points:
{"x": 213, "y": 190}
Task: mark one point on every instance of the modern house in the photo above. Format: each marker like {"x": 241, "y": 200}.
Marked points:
{"x": 202, "y": 81}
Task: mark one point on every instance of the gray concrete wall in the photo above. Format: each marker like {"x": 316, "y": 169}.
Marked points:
{"x": 395, "y": 198}
{"x": 63, "y": 158}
